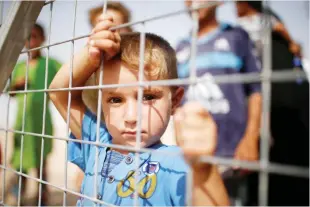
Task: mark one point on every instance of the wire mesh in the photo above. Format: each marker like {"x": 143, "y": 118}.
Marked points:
{"x": 139, "y": 111}
{"x": 99, "y": 106}
{"x": 267, "y": 76}
{"x": 266, "y": 88}
{"x": 45, "y": 102}
{"x": 193, "y": 78}
{"x": 276, "y": 77}
{"x": 69, "y": 104}
{"x": 22, "y": 135}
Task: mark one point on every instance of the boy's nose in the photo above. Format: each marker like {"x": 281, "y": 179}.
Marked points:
{"x": 131, "y": 113}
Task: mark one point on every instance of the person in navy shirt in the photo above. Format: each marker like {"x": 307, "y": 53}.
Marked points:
{"x": 162, "y": 170}
{"x": 236, "y": 108}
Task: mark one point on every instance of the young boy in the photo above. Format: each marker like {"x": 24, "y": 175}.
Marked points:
{"x": 162, "y": 177}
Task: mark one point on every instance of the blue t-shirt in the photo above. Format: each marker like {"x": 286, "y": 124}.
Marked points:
{"x": 227, "y": 50}
{"x": 161, "y": 178}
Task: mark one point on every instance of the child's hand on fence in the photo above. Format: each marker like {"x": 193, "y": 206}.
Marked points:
{"x": 103, "y": 40}
{"x": 196, "y": 131}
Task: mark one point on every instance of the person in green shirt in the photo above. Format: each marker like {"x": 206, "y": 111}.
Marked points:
{"x": 34, "y": 109}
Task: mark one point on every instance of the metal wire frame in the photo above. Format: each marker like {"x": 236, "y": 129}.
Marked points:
{"x": 279, "y": 76}
{"x": 265, "y": 77}
{"x": 273, "y": 168}
{"x": 45, "y": 102}
{"x": 55, "y": 186}
{"x": 192, "y": 78}
{"x": 214, "y": 160}
{"x": 265, "y": 123}
{"x": 69, "y": 106}
{"x": 128, "y": 24}
{"x": 23, "y": 129}
{"x": 139, "y": 111}
{"x": 255, "y": 166}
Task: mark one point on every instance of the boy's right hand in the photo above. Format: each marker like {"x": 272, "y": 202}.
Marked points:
{"x": 102, "y": 40}
{"x": 195, "y": 130}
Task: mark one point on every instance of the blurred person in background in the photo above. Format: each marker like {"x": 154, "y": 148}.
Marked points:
{"x": 236, "y": 108}
{"x": 120, "y": 13}
{"x": 222, "y": 51}
{"x": 250, "y": 17}
{"x": 289, "y": 118}
{"x": 33, "y": 123}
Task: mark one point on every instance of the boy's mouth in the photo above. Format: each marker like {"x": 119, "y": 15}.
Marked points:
{"x": 132, "y": 134}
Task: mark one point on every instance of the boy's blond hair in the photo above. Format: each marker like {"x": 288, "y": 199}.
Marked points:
{"x": 159, "y": 62}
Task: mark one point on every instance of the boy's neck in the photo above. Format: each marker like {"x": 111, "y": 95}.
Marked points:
{"x": 207, "y": 26}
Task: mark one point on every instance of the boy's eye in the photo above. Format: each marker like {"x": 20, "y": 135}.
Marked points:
{"x": 148, "y": 97}
{"x": 114, "y": 100}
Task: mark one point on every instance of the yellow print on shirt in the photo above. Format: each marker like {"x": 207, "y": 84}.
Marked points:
{"x": 126, "y": 186}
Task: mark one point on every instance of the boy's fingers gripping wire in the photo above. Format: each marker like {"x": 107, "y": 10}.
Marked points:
{"x": 103, "y": 25}
{"x": 104, "y": 34}
{"x": 195, "y": 130}
{"x": 117, "y": 37}
{"x": 102, "y": 39}
{"x": 103, "y": 17}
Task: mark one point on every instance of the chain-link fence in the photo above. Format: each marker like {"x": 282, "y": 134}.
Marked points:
{"x": 8, "y": 56}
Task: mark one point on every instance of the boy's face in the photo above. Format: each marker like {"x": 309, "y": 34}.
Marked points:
{"x": 120, "y": 107}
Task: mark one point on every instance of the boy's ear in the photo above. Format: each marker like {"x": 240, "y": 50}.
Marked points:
{"x": 177, "y": 97}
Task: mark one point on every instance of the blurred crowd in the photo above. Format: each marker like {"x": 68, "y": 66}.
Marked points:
{"x": 222, "y": 49}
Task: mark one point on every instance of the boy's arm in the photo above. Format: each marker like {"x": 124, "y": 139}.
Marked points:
{"x": 196, "y": 134}
{"x": 83, "y": 68}
{"x": 85, "y": 64}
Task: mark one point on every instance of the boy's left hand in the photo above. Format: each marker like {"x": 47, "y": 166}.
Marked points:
{"x": 196, "y": 131}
